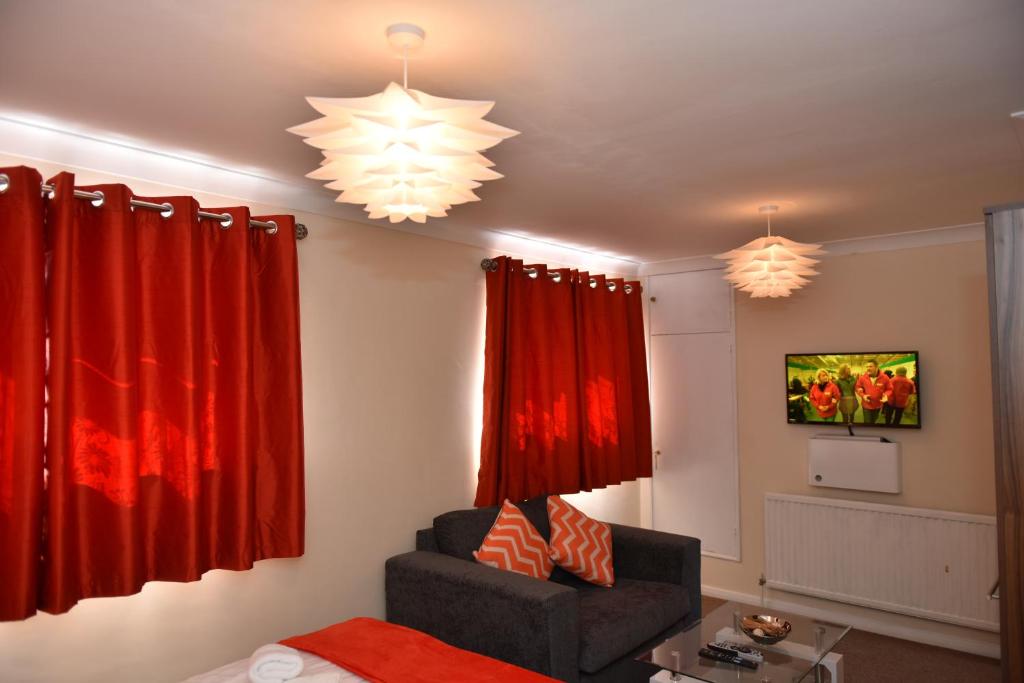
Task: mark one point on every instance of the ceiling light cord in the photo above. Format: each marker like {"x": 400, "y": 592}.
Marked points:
{"x": 405, "y": 67}
{"x": 769, "y": 217}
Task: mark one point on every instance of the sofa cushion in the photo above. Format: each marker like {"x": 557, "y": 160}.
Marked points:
{"x": 579, "y": 544}
{"x": 460, "y": 532}
{"x": 513, "y": 544}
{"x": 615, "y": 621}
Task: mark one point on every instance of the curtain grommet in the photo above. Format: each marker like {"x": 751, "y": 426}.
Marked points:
{"x": 168, "y": 210}
{"x": 227, "y": 221}
{"x": 100, "y": 198}
{"x": 5, "y": 182}
{"x": 272, "y": 230}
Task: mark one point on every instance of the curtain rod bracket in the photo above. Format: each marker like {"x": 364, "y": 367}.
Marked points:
{"x": 489, "y": 264}
{"x": 301, "y": 231}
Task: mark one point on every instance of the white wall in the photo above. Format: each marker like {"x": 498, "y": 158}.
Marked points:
{"x": 392, "y": 344}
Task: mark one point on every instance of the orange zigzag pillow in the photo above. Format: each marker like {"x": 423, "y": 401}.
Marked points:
{"x": 579, "y": 544}
{"x": 515, "y": 545}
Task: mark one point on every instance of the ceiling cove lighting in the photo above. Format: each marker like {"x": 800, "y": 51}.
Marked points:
{"x": 403, "y": 153}
{"x": 771, "y": 266}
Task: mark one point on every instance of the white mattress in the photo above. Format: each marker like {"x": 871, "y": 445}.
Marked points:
{"x": 238, "y": 672}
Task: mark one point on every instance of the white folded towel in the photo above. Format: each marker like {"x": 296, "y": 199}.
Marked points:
{"x": 274, "y": 664}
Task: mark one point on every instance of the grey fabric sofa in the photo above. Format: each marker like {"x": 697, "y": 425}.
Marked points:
{"x": 566, "y": 628}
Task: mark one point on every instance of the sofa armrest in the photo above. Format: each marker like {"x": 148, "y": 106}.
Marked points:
{"x": 501, "y": 614}
{"x": 426, "y": 540}
{"x": 658, "y": 556}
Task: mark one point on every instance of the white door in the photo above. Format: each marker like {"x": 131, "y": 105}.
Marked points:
{"x": 693, "y": 402}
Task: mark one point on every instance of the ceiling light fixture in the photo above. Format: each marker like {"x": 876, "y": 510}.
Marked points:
{"x": 771, "y": 266}
{"x": 403, "y": 153}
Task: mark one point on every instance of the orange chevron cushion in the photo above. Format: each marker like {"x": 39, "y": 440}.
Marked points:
{"x": 579, "y": 544}
{"x": 515, "y": 545}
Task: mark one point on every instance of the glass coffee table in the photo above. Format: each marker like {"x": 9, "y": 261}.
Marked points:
{"x": 805, "y": 655}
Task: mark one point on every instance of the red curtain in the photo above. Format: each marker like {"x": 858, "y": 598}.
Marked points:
{"x": 174, "y": 431}
{"x": 566, "y": 405}
{"x": 22, "y": 374}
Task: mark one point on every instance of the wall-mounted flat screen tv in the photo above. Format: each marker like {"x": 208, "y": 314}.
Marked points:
{"x": 880, "y": 389}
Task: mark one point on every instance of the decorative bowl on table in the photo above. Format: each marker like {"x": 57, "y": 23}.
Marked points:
{"x": 765, "y": 629}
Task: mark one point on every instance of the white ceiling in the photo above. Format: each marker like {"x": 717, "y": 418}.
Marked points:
{"x": 650, "y": 129}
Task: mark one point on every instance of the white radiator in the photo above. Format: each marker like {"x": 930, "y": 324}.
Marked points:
{"x": 926, "y": 563}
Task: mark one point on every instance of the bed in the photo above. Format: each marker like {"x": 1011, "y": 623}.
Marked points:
{"x": 365, "y": 650}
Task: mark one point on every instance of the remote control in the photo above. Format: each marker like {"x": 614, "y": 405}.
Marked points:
{"x": 737, "y": 650}
{"x": 729, "y": 659}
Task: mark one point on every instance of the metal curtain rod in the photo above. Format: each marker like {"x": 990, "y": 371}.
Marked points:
{"x": 491, "y": 265}
{"x": 166, "y": 209}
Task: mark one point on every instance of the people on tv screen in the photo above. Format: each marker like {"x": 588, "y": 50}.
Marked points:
{"x": 853, "y": 390}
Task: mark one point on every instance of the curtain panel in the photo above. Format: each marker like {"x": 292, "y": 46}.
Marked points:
{"x": 22, "y": 375}
{"x": 174, "y": 423}
{"x": 566, "y": 404}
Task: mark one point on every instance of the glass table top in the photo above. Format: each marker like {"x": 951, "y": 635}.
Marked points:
{"x": 794, "y": 659}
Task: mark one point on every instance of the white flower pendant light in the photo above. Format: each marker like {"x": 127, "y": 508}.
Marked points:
{"x": 403, "y": 153}
{"x": 770, "y": 266}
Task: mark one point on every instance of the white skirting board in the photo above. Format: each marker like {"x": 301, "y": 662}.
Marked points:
{"x": 985, "y": 644}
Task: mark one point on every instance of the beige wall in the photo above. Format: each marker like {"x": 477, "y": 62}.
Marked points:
{"x": 932, "y": 299}
{"x": 392, "y": 334}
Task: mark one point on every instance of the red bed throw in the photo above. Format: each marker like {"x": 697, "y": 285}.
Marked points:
{"x": 388, "y": 653}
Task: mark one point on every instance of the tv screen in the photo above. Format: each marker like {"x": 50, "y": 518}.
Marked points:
{"x": 880, "y": 389}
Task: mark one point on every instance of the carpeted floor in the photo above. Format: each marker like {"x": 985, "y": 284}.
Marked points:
{"x": 871, "y": 658}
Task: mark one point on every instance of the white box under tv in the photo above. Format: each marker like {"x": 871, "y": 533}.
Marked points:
{"x": 864, "y": 463}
